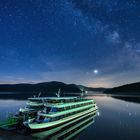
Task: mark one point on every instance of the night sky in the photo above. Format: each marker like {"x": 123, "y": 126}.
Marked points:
{"x": 90, "y": 42}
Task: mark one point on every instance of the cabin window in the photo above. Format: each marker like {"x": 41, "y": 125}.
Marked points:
{"x": 48, "y": 109}
{"x": 53, "y": 109}
{"x": 41, "y": 118}
{"x": 59, "y": 109}
{"x": 47, "y": 119}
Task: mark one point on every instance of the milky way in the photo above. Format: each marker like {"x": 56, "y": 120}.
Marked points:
{"x": 67, "y": 40}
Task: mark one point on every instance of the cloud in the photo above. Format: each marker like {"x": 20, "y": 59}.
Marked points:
{"x": 113, "y": 37}
{"x": 10, "y": 79}
{"x": 133, "y": 49}
{"x": 138, "y": 51}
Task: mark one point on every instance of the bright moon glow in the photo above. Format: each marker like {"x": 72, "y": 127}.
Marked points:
{"x": 95, "y": 71}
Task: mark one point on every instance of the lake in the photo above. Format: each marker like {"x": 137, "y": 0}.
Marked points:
{"x": 117, "y": 119}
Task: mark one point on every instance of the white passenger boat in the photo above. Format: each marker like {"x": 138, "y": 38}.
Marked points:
{"x": 60, "y": 110}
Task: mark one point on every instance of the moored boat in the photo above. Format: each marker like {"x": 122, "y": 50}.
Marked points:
{"x": 60, "y": 110}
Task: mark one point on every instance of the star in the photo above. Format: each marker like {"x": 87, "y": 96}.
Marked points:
{"x": 95, "y": 71}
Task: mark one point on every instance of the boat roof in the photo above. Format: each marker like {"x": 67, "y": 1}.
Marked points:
{"x": 52, "y": 98}
{"x": 68, "y": 104}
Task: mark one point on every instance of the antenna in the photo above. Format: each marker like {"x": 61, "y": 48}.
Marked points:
{"x": 39, "y": 94}
{"x": 58, "y": 93}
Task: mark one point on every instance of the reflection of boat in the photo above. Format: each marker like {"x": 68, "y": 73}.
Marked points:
{"x": 61, "y": 110}
{"x": 68, "y": 130}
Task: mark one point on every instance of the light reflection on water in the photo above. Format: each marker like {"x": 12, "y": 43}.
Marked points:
{"x": 118, "y": 119}
{"x": 10, "y": 106}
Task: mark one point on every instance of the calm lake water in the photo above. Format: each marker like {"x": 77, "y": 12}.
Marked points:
{"x": 117, "y": 119}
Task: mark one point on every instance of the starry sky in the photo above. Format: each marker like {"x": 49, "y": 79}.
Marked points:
{"x": 90, "y": 42}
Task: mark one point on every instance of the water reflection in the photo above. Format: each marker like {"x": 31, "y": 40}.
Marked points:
{"x": 9, "y": 106}
{"x": 68, "y": 130}
{"x": 118, "y": 119}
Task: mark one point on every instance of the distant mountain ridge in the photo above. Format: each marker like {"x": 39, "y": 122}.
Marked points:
{"x": 48, "y": 87}
{"x": 129, "y": 88}
{"x": 53, "y": 86}
{"x": 25, "y": 90}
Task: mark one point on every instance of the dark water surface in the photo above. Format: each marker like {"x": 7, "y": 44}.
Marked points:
{"x": 118, "y": 120}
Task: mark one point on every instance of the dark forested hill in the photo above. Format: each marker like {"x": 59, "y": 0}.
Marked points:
{"x": 129, "y": 88}
{"x": 40, "y": 87}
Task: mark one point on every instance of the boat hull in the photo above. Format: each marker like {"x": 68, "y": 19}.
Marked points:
{"x": 63, "y": 127}
{"x": 49, "y": 125}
